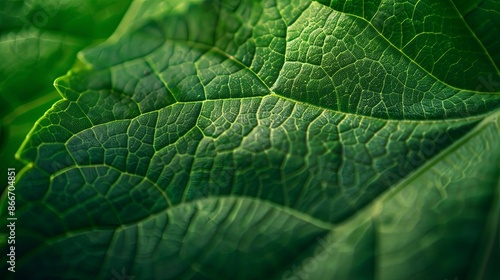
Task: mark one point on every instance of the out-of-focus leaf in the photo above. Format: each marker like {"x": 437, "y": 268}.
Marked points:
{"x": 39, "y": 40}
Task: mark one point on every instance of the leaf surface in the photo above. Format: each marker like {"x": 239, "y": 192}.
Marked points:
{"x": 39, "y": 41}
{"x": 271, "y": 139}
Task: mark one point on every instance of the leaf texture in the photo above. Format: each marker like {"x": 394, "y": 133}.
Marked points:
{"x": 271, "y": 139}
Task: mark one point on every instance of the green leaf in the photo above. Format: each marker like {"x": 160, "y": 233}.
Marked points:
{"x": 414, "y": 230}
{"x": 39, "y": 41}
{"x": 482, "y": 18}
{"x": 270, "y": 139}
{"x": 436, "y": 37}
